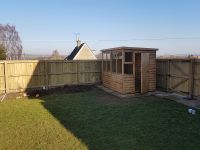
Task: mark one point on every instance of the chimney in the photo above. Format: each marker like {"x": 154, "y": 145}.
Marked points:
{"x": 78, "y": 42}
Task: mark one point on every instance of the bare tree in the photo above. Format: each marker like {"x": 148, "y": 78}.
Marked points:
{"x": 55, "y": 55}
{"x": 11, "y": 41}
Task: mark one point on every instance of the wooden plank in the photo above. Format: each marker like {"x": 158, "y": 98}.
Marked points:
{"x": 144, "y": 73}
{"x": 168, "y": 75}
{"x": 6, "y": 77}
{"x": 191, "y": 78}
{"x": 46, "y": 75}
{"x": 197, "y": 78}
{"x": 102, "y": 61}
{"x": 177, "y": 68}
{"x": 2, "y": 78}
{"x": 152, "y": 72}
{"x": 123, "y": 62}
{"x": 162, "y": 77}
{"x": 178, "y": 84}
{"x": 77, "y": 73}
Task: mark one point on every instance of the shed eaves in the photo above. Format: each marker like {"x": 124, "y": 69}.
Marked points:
{"x": 130, "y": 48}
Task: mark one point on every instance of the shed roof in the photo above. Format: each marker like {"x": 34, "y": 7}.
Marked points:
{"x": 130, "y": 48}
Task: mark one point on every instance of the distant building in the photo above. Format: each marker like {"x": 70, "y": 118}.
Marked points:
{"x": 179, "y": 56}
{"x": 40, "y": 57}
{"x": 194, "y": 56}
{"x": 99, "y": 56}
{"x": 81, "y": 52}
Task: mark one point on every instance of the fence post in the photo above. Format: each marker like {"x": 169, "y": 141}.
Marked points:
{"x": 168, "y": 74}
{"x": 191, "y": 78}
{"x": 77, "y": 72}
{"x": 6, "y": 77}
{"x": 102, "y": 59}
{"x": 123, "y": 59}
{"x": 46, "y": 74}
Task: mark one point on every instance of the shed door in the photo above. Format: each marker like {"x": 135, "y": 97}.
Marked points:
{"x": 144, "y": 73}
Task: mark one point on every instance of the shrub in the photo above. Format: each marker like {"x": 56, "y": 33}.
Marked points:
{"x": 2, "y": 53}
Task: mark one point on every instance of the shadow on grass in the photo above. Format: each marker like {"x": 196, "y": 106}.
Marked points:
{"x": 103, "y": 121}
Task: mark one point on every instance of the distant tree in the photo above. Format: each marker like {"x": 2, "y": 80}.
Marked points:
{"x": 11, "y": 41}
{"x": 55, "y": 55}
{"x": 2, "y": 53}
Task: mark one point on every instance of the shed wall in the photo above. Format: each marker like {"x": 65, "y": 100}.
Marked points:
{"x": 113, "y": 81}
{"x": 121, "y": 83}
{"x": 124, "y": 83}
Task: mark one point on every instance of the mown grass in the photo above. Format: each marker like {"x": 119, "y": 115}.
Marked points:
{"x": 94, "y": 120}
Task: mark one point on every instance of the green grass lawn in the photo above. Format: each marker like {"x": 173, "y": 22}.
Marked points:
{"x": 97, "y": 121}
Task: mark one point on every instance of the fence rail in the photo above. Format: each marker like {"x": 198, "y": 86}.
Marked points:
{"x": 181, "y": 75}
{"x": 17, "y": 76}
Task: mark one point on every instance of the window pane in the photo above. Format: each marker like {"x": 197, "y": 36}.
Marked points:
{"x": 114, "y": 65}
{"x": 104, "y": 66}
{"x": 108, "y": 66}
{"x": 128, "y": 68}
{"x": 113, "y": 55}
{"x": 108, "y": 55}
{"x": 119, "y": 66}
{"x": 104, "y": 56}
{"x": 119, "y": 55}
{"x": 128, "y": 56}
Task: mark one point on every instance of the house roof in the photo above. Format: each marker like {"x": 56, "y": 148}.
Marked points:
{"x": 130, "y": 48}
{"x": 74, "y": 52}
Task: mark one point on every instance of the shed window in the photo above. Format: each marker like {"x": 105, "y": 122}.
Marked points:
{"x": 108, "y": 56}
{"x": 104, "y": 65}
{"x": 108, "y": 62}
{"x": 119, "y": 66}
{"x": 113, "y": 65}
{"x": 114, "y": 58}
{"x": 119, "y": 62}
{"x": 104, "y": 56}
{"x": 128, "y": 56}
{"x": 128, "y": 68}
{"x": 108, "y": 65}
{"x": 104, "y": 62}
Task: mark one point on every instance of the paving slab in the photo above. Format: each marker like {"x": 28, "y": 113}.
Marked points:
{"x": 117, "y": 93}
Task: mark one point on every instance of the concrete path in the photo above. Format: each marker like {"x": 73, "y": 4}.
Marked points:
{"x": 179, "y": 98}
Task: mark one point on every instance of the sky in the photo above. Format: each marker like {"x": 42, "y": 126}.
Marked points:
{"x": 173, "y": 26}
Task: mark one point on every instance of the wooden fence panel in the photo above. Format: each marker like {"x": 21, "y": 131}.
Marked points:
{"x": 23, "y": 75}
{"x": 178, "y": 75}
{"x": 197, "y": 78}
{"x": 89, "y": 72}
{"x": 61, "y": 73}
{"x": 161, "y": 74}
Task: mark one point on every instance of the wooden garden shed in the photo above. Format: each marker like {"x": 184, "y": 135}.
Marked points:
{"x": 129, "y": 70}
